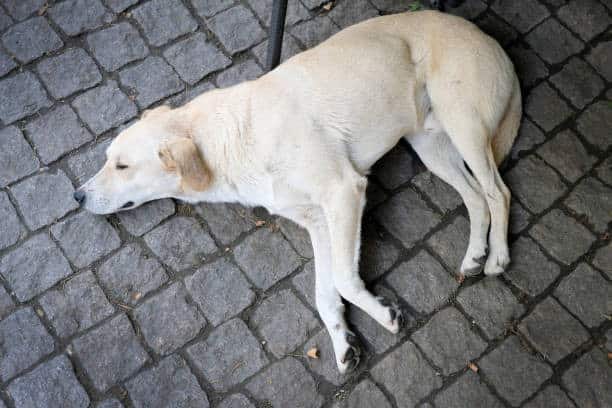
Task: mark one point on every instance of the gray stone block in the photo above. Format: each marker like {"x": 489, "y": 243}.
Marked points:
{"x": 295, "y": 11}
{"x": 467, "y": 391}
{"x": 592, "y": 200}
{"x": 439, "y": 192}
{"x": 314, "y": 31}
{"x": 85, "y": 238}
{"x": 6, "y": 303}
{"x": 234, "y": 40}
{"x": 553, "y": 52}
{"x": 530, "y": 270}
{"x": 284, "y": 322}
{"x": 535, "y": 184}
{"x": 325, "y": 364}
{"x": 299, "y": 388}
{"x": 304, "y": 282}
{"x": 109, "y": 403}
{"x": 469, "y": 9}
{"x": 601, "y": 58}
{"x": 52, "y": 384}
{"x": 77, "y": 16}
{"x": 397, "y": 167}
{"x": 119, "y": 5}
{"x": 221, "y": 291}
{"x": 180, "y": 243}
{"x": 44, "y": 198}
{"x": 169, "y": 384}
{"x": 588, "y": 380}
{"x": 228, "y": 356}
{"x": 266, "y": 257}
{"x": 406, "y": 375}
{"x": 104, "y": 107}
{"x": 513, "y": 371}
{"x": 208, "y": 8}
{"x": 578, "y": 82}
{"x": 226, "y": 221}
{"x": 377, "y": 338}
{"x": 347, "y": 13}
{"x": 56, "y": 133}
{"x": 448, "y": 341}
{"x": 392, "y": 216}
{"x": 168, "y": 320}
{"x": 603, "y": 259}
{"x": 6, "y": 63}
{"x": 195, "y": 57}
{"x": 553, "y": 331}
{"x": 142, "y": 219}
{"x": 242, "y": 72}
{"x": 587, "y": 295}
{"x": 546, "y": 108}
{"x": 88, "y": 161}
{"x": 529, "y": 67}
{"x": 117, "y": 45}
{"x": 492, "y": 306}
{"x": 164, "y": 20}
{"x": 498, "y": 29}
{"x": 34, "y": 267}
{"x": 594, "y": 124}
{"x": 551, "y": 396}
{"x": 24, "y": 341}
{"x": 11, "y": 227}
{"x": 31, "y": 39}
{"x": 587, "y": 18}
{"x": 69, "y": 72}
{"x": 23, "y": 96}
{"x": 150, "y": 81}
{"x": 562, "y": 236}
{"x": 289, "y": 49}
{"x": 110, "y": 353}
{"x": 566, "y": 153}
{"x": 236, "y": 401}
{"x": 524, "y": 15}
{"x": 451, "y": 243}
{"x": 130, "y": 274}
{"x": 297, "y": 236}
{"x": 423, "y": 283}
{"x": 76, "y": 305}
{"x": 17, "y": 158}
{"x": 519, "y": 217}
{"x": 22, "y": 9}
{"x": 378, "y": 253}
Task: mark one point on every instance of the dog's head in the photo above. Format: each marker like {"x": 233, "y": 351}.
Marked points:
{"x": 154, "y": 158}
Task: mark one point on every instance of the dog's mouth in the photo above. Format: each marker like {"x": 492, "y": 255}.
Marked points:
{"x": 127, "y": 205}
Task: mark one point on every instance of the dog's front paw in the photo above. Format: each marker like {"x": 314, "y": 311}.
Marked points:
{"x": 472, "y": 266}
{"x": 497, "y": 263}
{"x": 349, "y": 359}
{"x": 396, "y": 316}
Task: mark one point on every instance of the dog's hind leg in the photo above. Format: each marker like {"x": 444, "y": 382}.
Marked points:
{"x": 329, "y": 302}
{"x": 343, "y": 207}
{"x": 442, "y": 158}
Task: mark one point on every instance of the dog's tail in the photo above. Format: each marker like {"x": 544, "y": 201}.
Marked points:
{"x": 509, "y": 125}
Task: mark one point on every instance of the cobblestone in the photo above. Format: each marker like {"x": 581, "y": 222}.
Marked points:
{"x": 600, "y": 58}
{"x": 220, "y": 290}
{"x": 236, "y": 401}
{"x": 552, "y": 396}
{"x": 295, "y": 11}
{"x": 553, "y": 52}
{"x": 523, "y": 16}
{"x": 594, "y": 123}
{"x": 88, "y": 162}
{"x": 142, "y": 219}
{"x": 6, "y": 63}
{"x": 245, "y": 71}
{"x": 366, "y": 394}
{"x": 164, "y": 20}
{"x": 110, "y": 353}
{"x": 117, "y": 45}
{"x": 169, "y": 320}
{"x": 23, "y": 96}
{"x": 579, "y": 82}
{"x": 33, "y": 267}
{"x": 17, "y": 158}
{"x": 224, "y": 23}
{"x": 150, "y": 81}
{"x": 545, "y": 107}
{"x": 395, "y": 169}
{"x": 77, "y": 16}
{"x": 592, "y": 200}
{"x": 283, "y": 322}
{"x": 226, "y": 221}
{"x": 6, "y": 303}
{"x": 76, "y": 305}
{"x": 51, "y": 384}
{"x": 452, "y": 242}
{"x": 24, "y": 341}
{"x": 468, "y": 391}
{"x": 228, "y": 356}
{"x": 567, "y": 154}
{"x": 31, "y": 39}
{"x": 170, "y": 384}
{"x": 603, "y": 259}
{"x": 56, "y": 133}
{"x": 589, "y": 379}
{"x": 513, "y": 371}
{"x": 85, "y": 238}
{"x": 21, "y": 10}
{"x": 11, "y": 227}
{"x": 312, "y": 32}
{"x": 439, "y": 192}
{"x": 530, "y": 270}
{"x": 553, "y": 331}
{"x": 588, "y": 18}
{"x": 68, "y": 73}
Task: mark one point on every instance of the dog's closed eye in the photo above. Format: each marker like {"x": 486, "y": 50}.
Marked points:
{"x": 121, "y": 166}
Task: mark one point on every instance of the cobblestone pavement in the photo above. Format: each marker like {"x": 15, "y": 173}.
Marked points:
{"x": 212, "y": 305}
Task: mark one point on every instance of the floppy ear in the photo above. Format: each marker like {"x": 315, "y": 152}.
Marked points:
{"x": 183, "y": 156}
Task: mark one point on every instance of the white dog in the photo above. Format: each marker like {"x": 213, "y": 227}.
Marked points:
{"x": 301, "y": 139}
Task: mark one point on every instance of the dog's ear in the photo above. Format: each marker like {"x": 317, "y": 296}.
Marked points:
{"x": 183, "y": 156}
{"x": 155, "y": 111}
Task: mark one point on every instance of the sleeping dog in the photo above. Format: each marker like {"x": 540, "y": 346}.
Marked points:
{"x": 301, "y": 139}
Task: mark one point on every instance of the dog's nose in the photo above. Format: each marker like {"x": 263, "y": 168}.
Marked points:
{"x": 79, "y": 196}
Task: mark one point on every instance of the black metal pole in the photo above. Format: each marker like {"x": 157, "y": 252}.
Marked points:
{"x": 275, "y": 35}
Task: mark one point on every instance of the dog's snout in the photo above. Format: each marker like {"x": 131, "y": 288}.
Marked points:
{"x": 79, "y": 196}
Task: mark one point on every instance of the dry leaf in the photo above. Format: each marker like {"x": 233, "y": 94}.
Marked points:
{"x": 609, "y": 356}
{"x": 460, "y": 278}
{"x": 43, "y": 9}
{"x": 473, "y": 367}
{"x": 328, "y": 6}
{"x": 313, "y": 353}
{"x": 136, "y": 296}
{"x": 260, "y": 223}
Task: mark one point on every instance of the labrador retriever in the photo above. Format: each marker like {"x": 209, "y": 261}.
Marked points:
{"x": 301, "y": 139}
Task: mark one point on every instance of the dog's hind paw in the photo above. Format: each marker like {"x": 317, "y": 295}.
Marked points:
{"x": 396, "y": 316}
{"x": 351, "y": 357}
{"x": 496, "y": 264}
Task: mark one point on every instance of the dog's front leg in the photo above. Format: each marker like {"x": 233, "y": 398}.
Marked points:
{"x": 329, "y": 302}
{"x": 343, "y": 209}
